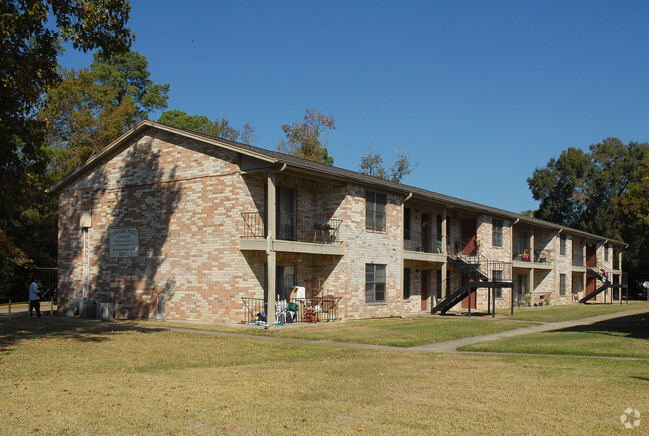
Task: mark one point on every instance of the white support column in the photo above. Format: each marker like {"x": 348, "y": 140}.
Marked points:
{"x": 270, "y": 251}
{"x": 444, "y": 281}
{"x": 531, "y": 279}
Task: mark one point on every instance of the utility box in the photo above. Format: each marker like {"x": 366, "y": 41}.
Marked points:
{"x": 106, "y": 311}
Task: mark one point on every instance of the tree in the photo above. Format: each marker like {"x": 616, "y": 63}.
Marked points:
{"x": 30, "y": 37}
{"x": 30, "y": 34}
{"x": 603, "y": 191}
{"x": 372, "y": 165}
{"x": 82, "y": 118}
{"x": 128, "y": 74}
{"x": 578, "y": 188}
{"x": 201, "y": 124}
{"x": 304, "y": 139}
{"x": 176, "y": 118}
{"x": 633, "y": 205}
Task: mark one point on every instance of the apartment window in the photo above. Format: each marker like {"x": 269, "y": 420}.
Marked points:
{"x": 406, "y": 283}
{"x": 375, "y": 211}
{"x": 563, "y": 244}
{"x": 406, "y": 224}
{"x": 498, "y": 277}
{"x": 497, "y": 235}
{"x": 605, "y": 252}
{"x": 374, "y": 283}
{"x": 562, "y": 285}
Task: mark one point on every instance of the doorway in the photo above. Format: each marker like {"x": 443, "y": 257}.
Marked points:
{"x": 469, "y": 236}
{"x": 591, "y": 256}
{"x": 425, "y": 224}
{"x": 424, "y": 289}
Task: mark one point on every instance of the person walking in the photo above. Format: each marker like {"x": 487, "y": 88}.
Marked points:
{"x": 34, "y": 299}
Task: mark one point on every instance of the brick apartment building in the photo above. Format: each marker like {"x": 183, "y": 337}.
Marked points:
{"x": 214, "y": 227}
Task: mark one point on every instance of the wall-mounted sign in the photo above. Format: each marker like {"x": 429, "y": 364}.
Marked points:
{"x": 124, "y": 242}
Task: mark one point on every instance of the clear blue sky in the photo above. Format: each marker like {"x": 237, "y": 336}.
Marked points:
{"x": 480, "y": 92}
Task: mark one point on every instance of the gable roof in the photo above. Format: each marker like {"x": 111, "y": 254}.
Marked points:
{"x": 315, "y": 168}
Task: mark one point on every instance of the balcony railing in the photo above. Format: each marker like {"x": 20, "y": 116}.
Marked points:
{"x": 544, "y": 255}
{"x": 462, "y": 247}
{"x": 521, "y": 249}
{"x": 414, "y": 240}
{"x": 292, "y": 227}
{"x": 308, "y": 310}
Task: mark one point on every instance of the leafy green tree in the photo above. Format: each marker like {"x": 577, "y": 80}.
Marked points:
{"x": 600, "y": 191}
{"x": 633, "y": 206}
{"x": 372, "y": 165}
{"x": 201, "y": 124}
{"x": 128, "y": 73}
{"x": 30, "y": 36}
{"x": 578, "y": 188}
{"x": 304, "y": 139}
{"x": 82, "y": 118}
{"x": 176, "y": 118}
{"x": 562, "y": 187}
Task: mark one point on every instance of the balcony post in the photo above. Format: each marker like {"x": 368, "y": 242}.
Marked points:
{"x": 444, "y": 235}
{"x": 271, "y": 256}
{"x": 532, "y": 248}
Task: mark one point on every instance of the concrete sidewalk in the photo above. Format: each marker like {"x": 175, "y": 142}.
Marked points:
{"x": 452, "y": 346}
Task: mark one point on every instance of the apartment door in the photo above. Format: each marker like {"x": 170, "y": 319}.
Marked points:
{"x": 591, "y": 256}
{"x": 286, "y": 214}
{"x": 468, "y": 236}
{"x": 285, "y": 280}
{"x": 473, "y": 296}
{"x": 465, "y": 302}
{"x": 424, "y": 289}
{"x": 591, "y": 285}
{"x": 425, "y": 230}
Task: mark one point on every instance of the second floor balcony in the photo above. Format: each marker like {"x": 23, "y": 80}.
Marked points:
{"x": 422, "y": 242}
{"x": 297, "y": 231}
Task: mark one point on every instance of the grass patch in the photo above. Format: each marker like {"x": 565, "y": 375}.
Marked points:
{"x": 621, "y": 337}
{"x": 570, "y": 312}
{"x": 396, "y": 332}
{"x": 66, "y": 376}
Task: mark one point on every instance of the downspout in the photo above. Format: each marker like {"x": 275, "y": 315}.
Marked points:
{"x": 402, "y": 260}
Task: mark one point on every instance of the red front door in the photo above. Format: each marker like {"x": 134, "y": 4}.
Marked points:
{"x": 468, "y": 236}
{"x": 591, "y": 256}
{"x": 465, "y": 302}
{"x": 424, "y": 289}
{"x": 591, "y": 285}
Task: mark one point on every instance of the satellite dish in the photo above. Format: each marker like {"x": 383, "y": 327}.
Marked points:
{"x": 645, "y": 285}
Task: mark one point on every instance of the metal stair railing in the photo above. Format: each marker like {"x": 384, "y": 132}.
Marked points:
{"x": 601, "y": 274}
{"x": 477, "y": 269}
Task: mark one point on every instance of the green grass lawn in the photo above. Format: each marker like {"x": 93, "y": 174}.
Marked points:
{"x": 622, "y": 337}
{"x": 62, "y": 376}
{"x": 572, "y": 311}
{"x": 409, "y": 332}
{"x": 397, "y": 332}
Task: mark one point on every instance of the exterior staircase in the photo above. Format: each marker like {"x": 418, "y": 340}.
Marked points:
{"x": 606, "y": 284}
{"x": 477, "y": 272}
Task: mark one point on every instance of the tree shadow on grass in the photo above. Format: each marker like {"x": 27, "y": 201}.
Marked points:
{"x": 631, "y": 326}
{"x": 17, "y": 329}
